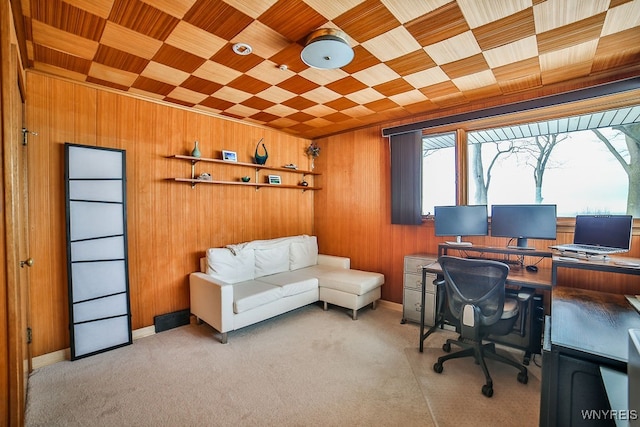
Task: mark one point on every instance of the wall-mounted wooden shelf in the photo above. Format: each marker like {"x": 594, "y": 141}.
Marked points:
{"x": 250, "y": 184}
{"x": 193, "y": 180}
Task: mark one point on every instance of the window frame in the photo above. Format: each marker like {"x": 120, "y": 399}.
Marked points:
{"x": 593, "y": 105}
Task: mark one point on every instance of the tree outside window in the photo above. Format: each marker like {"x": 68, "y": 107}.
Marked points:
{"x": 577, "y": 166}
{"x": 586, "y": 164}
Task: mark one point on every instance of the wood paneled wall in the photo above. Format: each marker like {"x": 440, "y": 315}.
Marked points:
{"x": 170, "y": 224}
{"x": 353, "y": 218}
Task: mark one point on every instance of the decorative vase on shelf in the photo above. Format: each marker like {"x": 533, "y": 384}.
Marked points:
{"x": 313, "y": 151}
{"x": 196, "y": 150}
{"x": 260, "y": 159}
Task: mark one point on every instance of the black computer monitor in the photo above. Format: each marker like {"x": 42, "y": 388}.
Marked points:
{"x": 458, "y": 221}
{"x": 523, "y": 222}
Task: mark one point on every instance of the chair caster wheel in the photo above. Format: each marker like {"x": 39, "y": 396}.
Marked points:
{"x": 437, "y": 367}
{"x": 487, "y": 390}
{"x": 446, "y": 347}
{"x": 523, "y": 378}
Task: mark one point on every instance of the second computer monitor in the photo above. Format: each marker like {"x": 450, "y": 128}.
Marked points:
{"x": 458, "y": 221}
{"x": 524, "y": 222}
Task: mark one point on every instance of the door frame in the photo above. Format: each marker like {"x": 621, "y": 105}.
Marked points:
{"x": 14, "y": 358}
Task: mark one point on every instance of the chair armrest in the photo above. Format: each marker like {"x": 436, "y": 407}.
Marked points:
{"x": 211, "y": 301}
{"x": 439, "y": 282}
{"x": 334, "y": 261}
{"x": 525, "y": 294}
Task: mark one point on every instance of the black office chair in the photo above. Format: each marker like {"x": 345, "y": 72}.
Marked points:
{"x": 475, "y": 291}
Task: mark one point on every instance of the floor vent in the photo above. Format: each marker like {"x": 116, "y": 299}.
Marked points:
{"x": 167, "y": 321}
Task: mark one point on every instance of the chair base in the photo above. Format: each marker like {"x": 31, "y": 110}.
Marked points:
{"x": 479, "y": 351}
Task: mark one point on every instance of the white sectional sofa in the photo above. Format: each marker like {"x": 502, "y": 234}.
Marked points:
{"x": 243, "y": 284}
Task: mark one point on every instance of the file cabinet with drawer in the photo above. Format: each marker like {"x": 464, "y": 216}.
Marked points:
{"x": 412, "y": 289}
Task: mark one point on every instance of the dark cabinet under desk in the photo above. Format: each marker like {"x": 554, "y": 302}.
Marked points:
{"x": 587, "y": 330}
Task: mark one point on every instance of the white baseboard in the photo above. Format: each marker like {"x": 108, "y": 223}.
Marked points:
{"x": 390, "y": 305}
{"x": 65, "y": 354}
{"x": 50, "y": 358}
{"x": 144, "y": 332}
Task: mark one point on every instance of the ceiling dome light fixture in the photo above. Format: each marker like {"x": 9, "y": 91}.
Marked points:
{"x": 242, "y": 49}
{"x": 327, "y": 48}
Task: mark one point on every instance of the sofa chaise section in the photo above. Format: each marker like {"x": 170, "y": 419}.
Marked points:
{"x": 347, "y": 288}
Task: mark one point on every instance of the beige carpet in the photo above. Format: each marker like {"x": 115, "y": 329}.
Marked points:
{"x": 455, "y": 397}
{"x": 305, "y": 368}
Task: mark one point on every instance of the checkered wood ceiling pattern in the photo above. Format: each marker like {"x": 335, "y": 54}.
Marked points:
{"x": 411, "y": 56}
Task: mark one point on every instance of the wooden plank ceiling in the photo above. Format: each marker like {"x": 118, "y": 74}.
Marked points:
{"x": 411, "y": 56}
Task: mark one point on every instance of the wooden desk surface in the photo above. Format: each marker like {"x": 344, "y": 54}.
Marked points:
{"x": 444, "y": 248}
{"x": 517, "y": 276}
{"x": 591, "y": 322}
{"x": 613, "y": 264}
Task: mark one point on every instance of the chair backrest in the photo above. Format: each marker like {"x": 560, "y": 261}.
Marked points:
{"x": 476, "y": 282}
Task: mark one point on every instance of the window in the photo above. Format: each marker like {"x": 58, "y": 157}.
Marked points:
{"x": 438, "y": 171}
{"x": 583, "y": 164}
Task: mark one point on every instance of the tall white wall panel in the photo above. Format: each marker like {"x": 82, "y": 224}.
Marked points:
{"x": 99, "y": 308}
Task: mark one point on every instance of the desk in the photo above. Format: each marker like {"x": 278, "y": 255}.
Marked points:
{"x": 608, "y": 264}
{"x": 586, "y": 330}
{"x": 518, "y": 277}
{"x": 444, "y": 248}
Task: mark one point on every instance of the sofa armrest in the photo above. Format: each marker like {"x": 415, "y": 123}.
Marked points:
{"x": 211, "y": 301}
{"x": 334, "y": 261}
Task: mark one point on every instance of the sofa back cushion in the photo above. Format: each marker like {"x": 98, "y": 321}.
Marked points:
{"x": 303, "y": 252}
{"x": 271, "y": 259}
{"x": 224, "y": 265}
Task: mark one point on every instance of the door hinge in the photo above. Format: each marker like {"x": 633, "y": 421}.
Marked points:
{"x": 29, "y": 335}
{"x": 25, "y": 133}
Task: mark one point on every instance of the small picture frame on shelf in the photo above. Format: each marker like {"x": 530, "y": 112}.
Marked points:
{"x": 274, "y": 179}
{"x": 229, "y": 156}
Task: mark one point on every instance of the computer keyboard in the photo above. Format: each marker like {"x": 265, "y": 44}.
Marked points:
{"x": 627, "y": 263}
{"x": 588, "y": 249}
{"x": 503, "y": 260}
